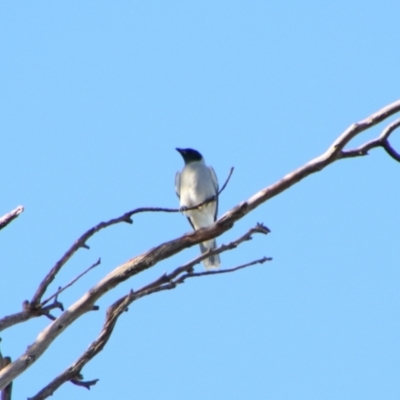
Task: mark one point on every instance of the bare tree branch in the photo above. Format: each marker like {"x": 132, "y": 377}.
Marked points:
{"x": 166, "y": 282}
{"x": 381, "y": 141}
{"x": 9, "y": 217}
{"x": 81, "y": 242}
{"x": 170, "y": 248}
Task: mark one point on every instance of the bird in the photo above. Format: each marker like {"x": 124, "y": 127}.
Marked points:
{"x": 196, "y": 183}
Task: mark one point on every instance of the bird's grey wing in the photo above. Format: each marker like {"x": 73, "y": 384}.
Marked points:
{"x": 214, "y": 180}
{"x": 178, "y": 193}
{"x": 178, "y": 184}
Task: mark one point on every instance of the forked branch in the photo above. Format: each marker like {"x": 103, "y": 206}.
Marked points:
{"x": 165, "y": 282}
{"x": 381, "y": 141}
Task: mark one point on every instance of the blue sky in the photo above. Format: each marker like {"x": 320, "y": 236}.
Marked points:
{"x": 94, "y": 98}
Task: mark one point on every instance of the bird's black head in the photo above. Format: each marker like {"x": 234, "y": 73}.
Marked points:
{"x": 190, "y": 155}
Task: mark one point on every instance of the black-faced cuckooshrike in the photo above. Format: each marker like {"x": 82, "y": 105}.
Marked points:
{"x": 196, "y": 183}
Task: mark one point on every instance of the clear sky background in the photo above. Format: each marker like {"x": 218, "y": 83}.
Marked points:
{"x": 94, "y": 98}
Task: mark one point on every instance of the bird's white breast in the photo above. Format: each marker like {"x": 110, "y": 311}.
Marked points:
{"x": 196, "y": 185}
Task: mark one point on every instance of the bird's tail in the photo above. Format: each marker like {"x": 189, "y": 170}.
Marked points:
{"x": 212, "y": 261}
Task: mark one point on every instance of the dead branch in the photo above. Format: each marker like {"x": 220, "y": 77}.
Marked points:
{"x": 168, "y": 249}
{"x": 61, "y": 289}
{"x": 81, "y": 242}
{"x": 166, "y": 282}
{"x": 9, "y": 217}
{"x": 381, "y": 141}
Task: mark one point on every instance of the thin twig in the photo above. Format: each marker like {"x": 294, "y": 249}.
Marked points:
{"x": 9, "y": 217}
{"x": 72, "y": 282}
{"x": 223, "y": 186}
{"x": 173, "y": 283}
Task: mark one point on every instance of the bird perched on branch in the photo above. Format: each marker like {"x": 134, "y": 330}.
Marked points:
{"x": 196, "y": 183}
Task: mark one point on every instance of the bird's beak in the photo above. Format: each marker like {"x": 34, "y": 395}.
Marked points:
{"x": 179, "y": 150}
